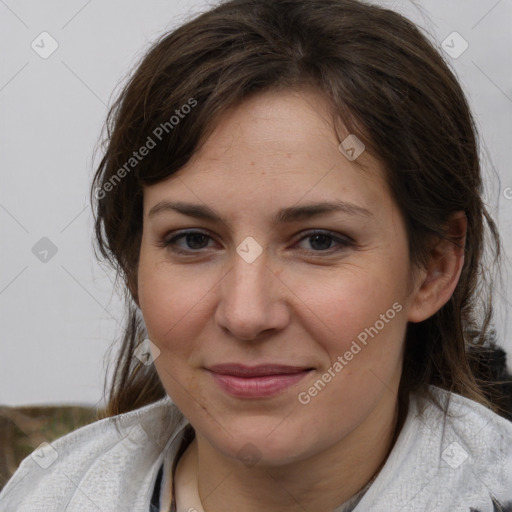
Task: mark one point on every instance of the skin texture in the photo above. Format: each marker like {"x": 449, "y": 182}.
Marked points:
{"x": 301, "y": 302}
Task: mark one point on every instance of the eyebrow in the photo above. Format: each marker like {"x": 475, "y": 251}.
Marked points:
{"x": 290, "y": 214}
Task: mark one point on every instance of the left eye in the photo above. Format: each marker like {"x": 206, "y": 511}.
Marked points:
{"x": 321, "y": 241}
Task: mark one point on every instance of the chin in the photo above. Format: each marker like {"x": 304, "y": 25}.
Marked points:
{"x": 264, "y": 446}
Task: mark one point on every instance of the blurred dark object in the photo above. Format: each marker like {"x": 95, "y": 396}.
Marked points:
{"x": 489, "y": 365}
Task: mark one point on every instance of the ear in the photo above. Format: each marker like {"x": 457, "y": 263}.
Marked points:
{"x": 437, "y": 282}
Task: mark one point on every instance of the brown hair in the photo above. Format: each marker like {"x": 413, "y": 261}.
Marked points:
{"x": 388, "y": 84}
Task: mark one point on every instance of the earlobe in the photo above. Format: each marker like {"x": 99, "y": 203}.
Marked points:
{"x": 439, "y": 279}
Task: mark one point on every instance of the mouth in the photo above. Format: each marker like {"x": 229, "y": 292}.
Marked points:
{"x": 259, "y": 381}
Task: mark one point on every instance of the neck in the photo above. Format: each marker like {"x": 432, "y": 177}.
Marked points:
{"x": 321, "y": 482}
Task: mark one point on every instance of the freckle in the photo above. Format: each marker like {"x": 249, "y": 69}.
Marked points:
{"x": 252, "y": 163}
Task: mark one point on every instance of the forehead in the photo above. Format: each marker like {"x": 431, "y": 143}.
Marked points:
{"x": 272, "y": 125}
{"x": 275, "y": 147}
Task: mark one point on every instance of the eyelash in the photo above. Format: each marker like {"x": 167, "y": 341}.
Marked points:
{"x": 344, "y": 242}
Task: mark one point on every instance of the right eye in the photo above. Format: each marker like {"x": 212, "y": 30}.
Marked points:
{"x": 194, "y": 240}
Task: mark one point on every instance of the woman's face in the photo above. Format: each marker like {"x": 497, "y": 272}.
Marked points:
{"x": 280, "y": 324}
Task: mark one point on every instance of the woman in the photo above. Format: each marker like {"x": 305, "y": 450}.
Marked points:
{"x": 303, "y": 376}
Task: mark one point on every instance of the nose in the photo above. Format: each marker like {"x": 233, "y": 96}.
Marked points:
{"x": 253, "y": 302}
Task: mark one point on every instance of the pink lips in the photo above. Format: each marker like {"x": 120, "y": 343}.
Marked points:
{"x": 256, "y": 381}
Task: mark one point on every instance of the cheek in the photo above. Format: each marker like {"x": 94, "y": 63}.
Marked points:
{"x": 170, "y": 302}
{"x": 346, "y": 304}
{"x": 170, "y": 298}
{"x": 360, "y": 329}
{"x": 359, "y": 324}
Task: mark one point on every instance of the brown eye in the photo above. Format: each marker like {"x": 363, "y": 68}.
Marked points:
{"x": 322, "y": 241}
{"x": 193, "y": 241}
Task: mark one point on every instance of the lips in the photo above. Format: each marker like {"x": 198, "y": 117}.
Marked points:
{"x": 256, "y": 381}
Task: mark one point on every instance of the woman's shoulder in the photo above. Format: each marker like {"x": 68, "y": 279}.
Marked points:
{"x": 453, "y": 456}
{"x": 475, "y": 446}
{"x": 484, "y": 430}
{"x": 108, "y": 465}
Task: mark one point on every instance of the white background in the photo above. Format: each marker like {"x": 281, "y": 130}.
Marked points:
{"x": 59, "y": 318}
